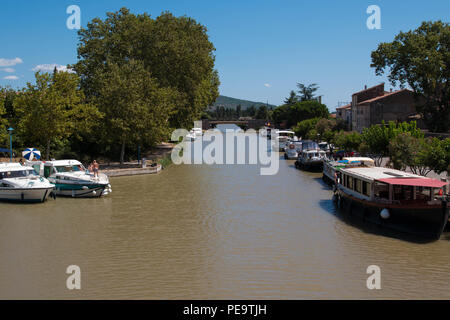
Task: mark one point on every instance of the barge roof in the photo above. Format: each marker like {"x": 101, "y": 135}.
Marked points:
{"x": 394, "y": 177}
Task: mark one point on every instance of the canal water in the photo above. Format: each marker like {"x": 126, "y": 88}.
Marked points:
{"x": 211, "y": 232}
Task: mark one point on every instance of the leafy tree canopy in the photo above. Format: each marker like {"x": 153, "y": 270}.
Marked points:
{"x": 420, "y": 58}
{"x": 175, "y": 51}
{"x": 307, "y": 92}
{"x": 298, "y": 112}
{"x": 53, "y": 109}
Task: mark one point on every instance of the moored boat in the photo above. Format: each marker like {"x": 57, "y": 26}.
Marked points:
{"x": 394, "y": 199}
{"x": 21, "y": 184}
{"x": 292, "y": 150}
{"x": 311, "y": 157}
{"x": 331, "y": 167}
{"x": 71, "y": 179}
{"x": 283, "y": 137}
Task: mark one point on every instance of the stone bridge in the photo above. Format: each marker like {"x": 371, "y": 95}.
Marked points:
{"x": 245, "y": 124}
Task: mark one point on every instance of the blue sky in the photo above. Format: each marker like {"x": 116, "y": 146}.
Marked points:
{"x": 263, "y": 48}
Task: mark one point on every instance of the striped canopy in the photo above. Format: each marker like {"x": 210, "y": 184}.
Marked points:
{"x": 31, "y": 153}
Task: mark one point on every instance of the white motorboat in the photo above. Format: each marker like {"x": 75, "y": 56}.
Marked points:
{"x": 282, "y": 139}
{"x": 21, "y": 184}
{"x": 292, "y": 150}
{"x": 311, "y": 157}
{"x": 71, "y": 178}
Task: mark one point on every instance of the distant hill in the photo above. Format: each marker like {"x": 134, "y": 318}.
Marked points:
{"x": 229, "y": 102}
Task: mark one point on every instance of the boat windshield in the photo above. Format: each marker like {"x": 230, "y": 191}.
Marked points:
{"x": 73, "y": 168}
{"x": 17, "y": 174}
{"x": 309, "y": 145}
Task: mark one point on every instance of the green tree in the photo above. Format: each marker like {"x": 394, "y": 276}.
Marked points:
{"x": 435, "y": 155}
{"x": 262, "y": 113}
{"x": 136, "y": 109}
{"x": 403, "y": 153}
{"x": 377, "y": 137}
{"x": 292, "y": 99}
{"x": 53, "y": 109}
{"x": 303, "y": 128}
{"x": 176, "y": 51}
{"x": 307, "y": 92}
{"x": 348, "y": 141}
{"x": 3, "y": 120}
{"x": 420, "y": 58}
{"x": 298, "y": 112}
{"x": 238, "y": 111}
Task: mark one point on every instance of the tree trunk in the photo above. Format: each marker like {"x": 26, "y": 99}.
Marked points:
{"x": 122, "y": 152}
{"x": 47, "y": 152}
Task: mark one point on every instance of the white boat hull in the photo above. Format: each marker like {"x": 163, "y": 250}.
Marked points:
{"x": 25, "y": 195}
{"x": 82, "y": 193}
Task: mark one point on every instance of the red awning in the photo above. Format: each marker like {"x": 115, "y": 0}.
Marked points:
{"x": 418, "y": 182}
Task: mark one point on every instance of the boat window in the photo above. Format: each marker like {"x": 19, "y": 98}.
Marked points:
{"x": 381, "y": 190}
{"x": 423, "y": 193}
{"x": 350, "y": 182}
{"x": 37, "y": 168}
{"x": 68, "y": 168}
{"x": 47, "y": 171}
{"x": 358, "y": 187}
{"x": 366, "y": 188}
{"x": 18, "y": 174}
{"x": 403, "y": 192}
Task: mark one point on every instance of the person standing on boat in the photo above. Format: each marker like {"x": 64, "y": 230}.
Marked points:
{"x": 21, "y": 162}
{"x": 95, "y": 167}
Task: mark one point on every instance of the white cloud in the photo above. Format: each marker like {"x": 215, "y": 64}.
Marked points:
{"x": 11, "y": 78}
{"x": 10, "y": 62}
{"x": 267, "y": 85}
{"x": 9, "y": 70}
{"x": 51, "y": 67}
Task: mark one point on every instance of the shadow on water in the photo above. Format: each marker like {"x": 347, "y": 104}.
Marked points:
{"x": 372, "y": 228}
{"x": 323, "y": 184}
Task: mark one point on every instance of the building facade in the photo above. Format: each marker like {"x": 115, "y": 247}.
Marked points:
{"x": 374, "y": 105}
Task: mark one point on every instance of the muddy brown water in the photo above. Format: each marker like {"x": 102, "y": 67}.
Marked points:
{"x": 211, "y": 232}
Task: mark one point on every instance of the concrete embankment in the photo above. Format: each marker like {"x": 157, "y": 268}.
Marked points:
{"x": 132, "y": 171}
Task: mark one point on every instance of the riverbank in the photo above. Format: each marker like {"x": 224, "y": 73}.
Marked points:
{"x": 155, "y": 160}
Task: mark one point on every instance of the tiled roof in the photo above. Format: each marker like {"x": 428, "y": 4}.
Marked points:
{"x": 381, "y": 84}
{"x": 345, "y": 107}
{"x": 382, "y": 97}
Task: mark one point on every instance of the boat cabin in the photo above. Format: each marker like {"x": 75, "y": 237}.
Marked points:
{"x": 389, "y": 185}
{"x": 48, "y": 168}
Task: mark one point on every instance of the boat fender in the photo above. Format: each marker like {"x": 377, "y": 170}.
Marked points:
{"x": 94, "y": 192}
{"x": 385, "y": 213}
{"x": 85, "y": 188}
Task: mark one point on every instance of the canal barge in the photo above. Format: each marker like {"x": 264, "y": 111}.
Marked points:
{"x": 394, "y": 199}
{"x": 21, "y": 184}
{"x": 71, "y": 179}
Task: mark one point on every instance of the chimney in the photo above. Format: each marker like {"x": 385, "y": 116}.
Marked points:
{"x": 391, "y": 89}
{"x": 365, "y": 87}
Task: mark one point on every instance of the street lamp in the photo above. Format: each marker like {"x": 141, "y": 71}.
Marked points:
{"x": 10, "y": 130}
